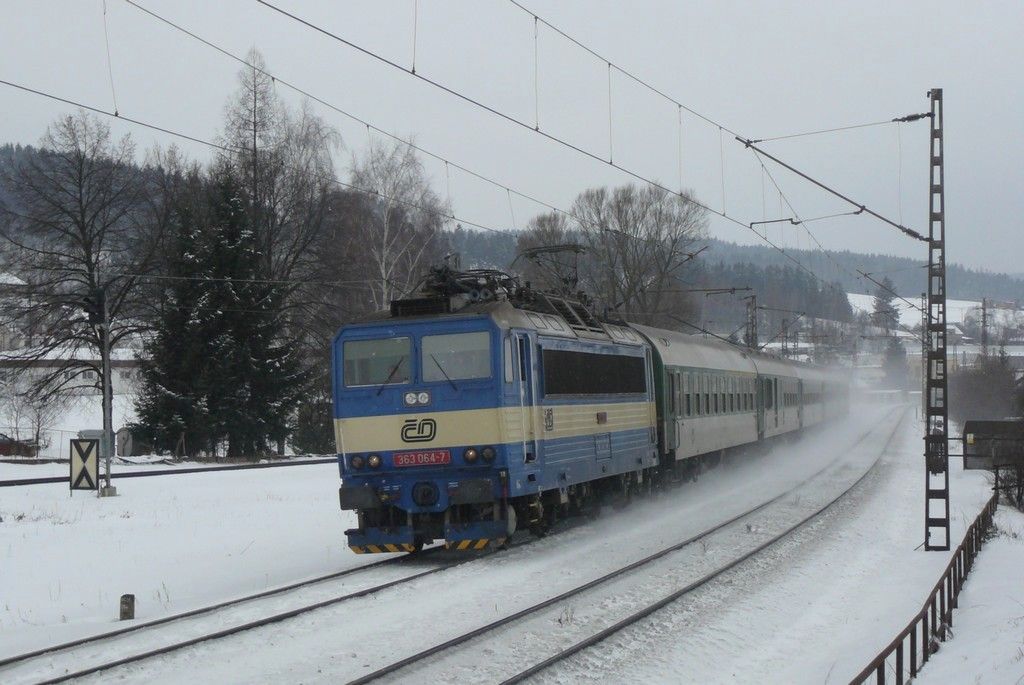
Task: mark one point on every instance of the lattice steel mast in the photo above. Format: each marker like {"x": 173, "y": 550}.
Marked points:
{"x": 936, "y": 406}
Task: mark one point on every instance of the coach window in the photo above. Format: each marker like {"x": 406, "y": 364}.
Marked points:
{"x": 456, "y": 356}
{"x": 687, "y": 406}
{"x": 706, "y": 387}
{"x": 673, "y": 408}
{"x": 376, "y": 362}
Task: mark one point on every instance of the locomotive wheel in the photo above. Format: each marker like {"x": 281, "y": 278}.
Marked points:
{"x": 539, "y": 530}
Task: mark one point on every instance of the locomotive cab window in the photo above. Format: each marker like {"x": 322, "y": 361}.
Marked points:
{"x": 376, "y": 362}
{"x": 456, "y": 356}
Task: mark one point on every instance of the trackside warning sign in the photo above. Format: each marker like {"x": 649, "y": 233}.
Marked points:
{"x": 85, "y": 464}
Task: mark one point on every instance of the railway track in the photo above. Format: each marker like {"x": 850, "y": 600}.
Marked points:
{"x": 119, "y": 647}
{"x": 45, "y": 480}
{"x": 163, "y": 636}
{"x": 417, "y": 661}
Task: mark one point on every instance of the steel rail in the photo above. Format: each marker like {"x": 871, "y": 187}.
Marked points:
{"x": 257, "y": 623}
{"x": 466, "y": 637}
{"x": 171, "y": 472}
{"x": 19, "y": 658}
{"x": 672, "y": 597}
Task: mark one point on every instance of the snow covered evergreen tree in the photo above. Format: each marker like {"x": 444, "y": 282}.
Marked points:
{"x": 173, "y": 415}
{"x": 220, "y": 370}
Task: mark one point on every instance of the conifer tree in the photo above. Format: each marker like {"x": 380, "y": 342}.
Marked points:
{"x": 219, "y": 369}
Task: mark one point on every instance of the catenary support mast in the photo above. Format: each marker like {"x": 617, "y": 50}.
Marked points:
{"x": 937, "y": 412}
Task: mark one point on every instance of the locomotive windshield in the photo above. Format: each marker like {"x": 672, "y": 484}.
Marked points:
{"x": 456, "y": 356}
{"x": 377, "y": 362}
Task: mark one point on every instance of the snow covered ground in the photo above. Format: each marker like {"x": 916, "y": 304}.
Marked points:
{"x": 988, "y": 627}
{"x": 813, "y": 609}
{"x": 956, "y": 310}
{"x": 176, "y": 542}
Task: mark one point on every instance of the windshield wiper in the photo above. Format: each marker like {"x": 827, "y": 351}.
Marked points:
{"x": 445, "y": 373}
{"x": 390, "y": 374}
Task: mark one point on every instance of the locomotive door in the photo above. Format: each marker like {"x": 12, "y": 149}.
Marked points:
{"x": 527, "y": 397}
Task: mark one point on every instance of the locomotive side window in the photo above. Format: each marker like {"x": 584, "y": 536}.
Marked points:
{"x": 376, "y": 362}
{"x": 509, "y": 360}
{"x": 456, "y": 356}
{"x": 568, "y": 372}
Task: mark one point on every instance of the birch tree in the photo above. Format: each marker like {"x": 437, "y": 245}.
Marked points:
{"x": 402, "y": 234}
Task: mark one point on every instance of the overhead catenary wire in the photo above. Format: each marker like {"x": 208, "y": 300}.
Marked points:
{"x": 228, "y": 148}
{"x": 521, "y": 123}
{"x": 799, "y": 221}
{"x": 625, "y": 72}
{"x": 824, "y": 130}
{"x": 508, "y": 190}
{"x": 110, "y": 68}
{"x": 899, "y": 226}
{"x": 370, "y": 128}
{"x": 415, "y": 27}
{"x": 912, "y": 117}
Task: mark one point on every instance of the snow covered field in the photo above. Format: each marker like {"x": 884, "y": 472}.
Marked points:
{"x": 815, "y": 608}
{"x": 956, "y": 310}
{"x": 988, "y": 627}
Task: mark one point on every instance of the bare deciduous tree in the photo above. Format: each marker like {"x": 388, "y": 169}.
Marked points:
{"x": 637, "y": 239}
{"x": 403, "y": 232}
{"x": 556, "y": 270}
{"x": 285, "y": 159}
{"x": 29, "y": 412}
{"x": 81, "y": 220}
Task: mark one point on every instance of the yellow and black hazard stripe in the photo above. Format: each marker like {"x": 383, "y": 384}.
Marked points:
{"x": 472, "y": 545}
{"x": 380, "y": 549}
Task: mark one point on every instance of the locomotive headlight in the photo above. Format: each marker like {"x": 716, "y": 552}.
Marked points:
{"x": 470, "y": 455}
{"x": 410, "y": 399}
{"x": 374, "y": 461}
{"x": 488, "y": 453}
{"x": 357, "y": 461}
{"x": 423, "y": 398}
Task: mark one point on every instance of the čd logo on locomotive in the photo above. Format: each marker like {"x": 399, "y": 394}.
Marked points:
{"x": 421, "y": 430}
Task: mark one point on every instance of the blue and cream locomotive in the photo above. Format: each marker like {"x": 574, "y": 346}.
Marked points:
{"x": 479, "y": 407}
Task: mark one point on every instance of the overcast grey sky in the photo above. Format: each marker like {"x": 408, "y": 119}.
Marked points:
{"x": 763, "y": 69}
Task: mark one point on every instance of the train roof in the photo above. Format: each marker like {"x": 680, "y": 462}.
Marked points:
{"x": 683, "y": 349}
{"x": 506, "y": 315}
{"x": 674, "y": 347}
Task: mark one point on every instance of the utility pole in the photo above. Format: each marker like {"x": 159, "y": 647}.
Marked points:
{"x": 750, "y": 335}
{"x": 108, "y": 490}
{"x": 984, "y": 327}
{"x": 785, "y": 337}
{"x": 936, "y": 445}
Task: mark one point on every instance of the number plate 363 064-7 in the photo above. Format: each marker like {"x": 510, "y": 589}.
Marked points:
{"x": 422, "y": 458}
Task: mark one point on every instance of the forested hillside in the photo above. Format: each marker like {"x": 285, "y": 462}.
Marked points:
{"x": 908, "y": 276}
